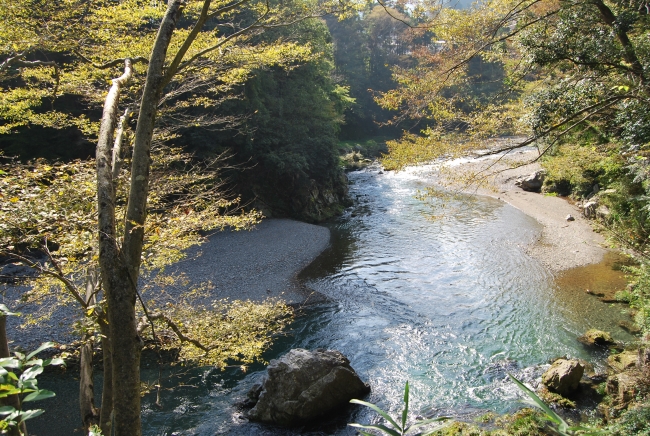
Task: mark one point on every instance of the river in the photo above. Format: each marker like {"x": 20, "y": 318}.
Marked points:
{"x": 439, "y": 292}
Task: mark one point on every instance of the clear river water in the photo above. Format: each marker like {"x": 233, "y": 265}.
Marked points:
{"x": 437, "y": 292}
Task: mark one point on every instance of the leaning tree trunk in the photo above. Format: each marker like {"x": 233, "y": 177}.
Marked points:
{"x": 120, "y": 268}
{"x": 89, "y": 413}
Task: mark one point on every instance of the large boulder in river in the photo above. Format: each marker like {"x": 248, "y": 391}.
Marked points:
{"x": 532, "y": 182}
{"x": 563, "y": 377}
{"x": 305, "y": 385}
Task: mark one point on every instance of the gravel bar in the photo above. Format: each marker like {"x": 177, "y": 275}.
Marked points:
{"x": 257, "y": 264}
{"x": 245, "y": 265}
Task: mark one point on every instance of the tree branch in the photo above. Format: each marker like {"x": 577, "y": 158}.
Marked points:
{"x": 177, "y": 331}
{"x": 113, "y": 63}
{"x": 58, "y": 274}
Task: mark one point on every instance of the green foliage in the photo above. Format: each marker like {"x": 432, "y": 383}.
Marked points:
{"x": 220, "y": 333}
{"x": 561, "y": 426}
{"x": 637, "y": 295}
{"x": 52, "y": 207}
{"x": 25, "y": 386}
{"x": 575, "y": 169}
{"x": 366, "y": 47}
{"x": 634, "y": 421}
{"x": 395, "y": 429}
{"x": 288, "y": 143}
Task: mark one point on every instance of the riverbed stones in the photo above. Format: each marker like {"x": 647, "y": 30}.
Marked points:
{"x": 595, "y": 337}
{"x": 563, "y": 377}
{"x": 532, "y": 182}
{"x": 622, "y": 361}
{"x": 623, "y": 388}
{"x": 304, "y": 385}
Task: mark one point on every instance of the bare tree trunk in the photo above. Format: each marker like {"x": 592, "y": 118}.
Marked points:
{"x": 120, "y": 269}
{"x": 11, "y": 400}
{"x": 114, "y": 274}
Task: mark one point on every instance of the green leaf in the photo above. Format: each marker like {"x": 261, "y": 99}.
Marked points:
{"x": 56, "y": 361}
{"x": 382, "y": 428}
{"x": 378, "y": 410}
{"x": 406, "y": 405}
{"x": 6, "y": 410}
{"x": 43, "y": 346}
{"x": 7, "y": 392}
{"x": 9, "y": 362}
{"x": 29, "y": 414}
{"x": 39, "y": 395}
{"x": 31, "y": 373}
{"x": 33, "y": 362}
{"x": 428, "y": 421}
{"x": 4, "y": 310}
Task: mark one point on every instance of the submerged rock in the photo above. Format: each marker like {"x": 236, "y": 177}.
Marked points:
{"x": 563, "y": 377}
{"x": 304, "y": 385}
{"x": 597, "y": 337}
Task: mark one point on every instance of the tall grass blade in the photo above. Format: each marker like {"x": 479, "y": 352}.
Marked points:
{"x": 406, "y": 406}
{"x": 378, "y": 410}
{"x": 550, "y": 414}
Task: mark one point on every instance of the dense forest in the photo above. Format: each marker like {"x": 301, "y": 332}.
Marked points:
{"x": 189, "y": 117}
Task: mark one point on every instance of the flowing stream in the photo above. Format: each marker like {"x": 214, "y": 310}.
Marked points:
{"x": 436, "y": 292}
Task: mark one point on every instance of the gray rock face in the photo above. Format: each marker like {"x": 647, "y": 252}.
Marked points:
{"x": 563, "y": 377}
{"x": 589, "y": 209}
{"x": 304, "y": 385}
{"x": 532, "y": 182}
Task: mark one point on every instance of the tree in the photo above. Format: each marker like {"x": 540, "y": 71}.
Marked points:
{"x": 192, "y": 41}
{"x": 567, "y": 66}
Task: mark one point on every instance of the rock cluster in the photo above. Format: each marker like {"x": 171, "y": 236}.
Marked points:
{"x": 628, "y": 380}
{"x": 305, "y": 385}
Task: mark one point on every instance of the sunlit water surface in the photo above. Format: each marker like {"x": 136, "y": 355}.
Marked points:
{"x": 444, "y": 297}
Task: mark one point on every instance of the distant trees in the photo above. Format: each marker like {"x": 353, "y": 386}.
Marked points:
{"x": 367, "y": 47}
{"x": 567, "y": 67}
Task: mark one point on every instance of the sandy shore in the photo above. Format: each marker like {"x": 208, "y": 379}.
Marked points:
{"x": 562, "y": 244}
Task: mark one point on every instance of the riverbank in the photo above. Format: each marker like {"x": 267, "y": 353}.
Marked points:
{"x": 562, "y": 244}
